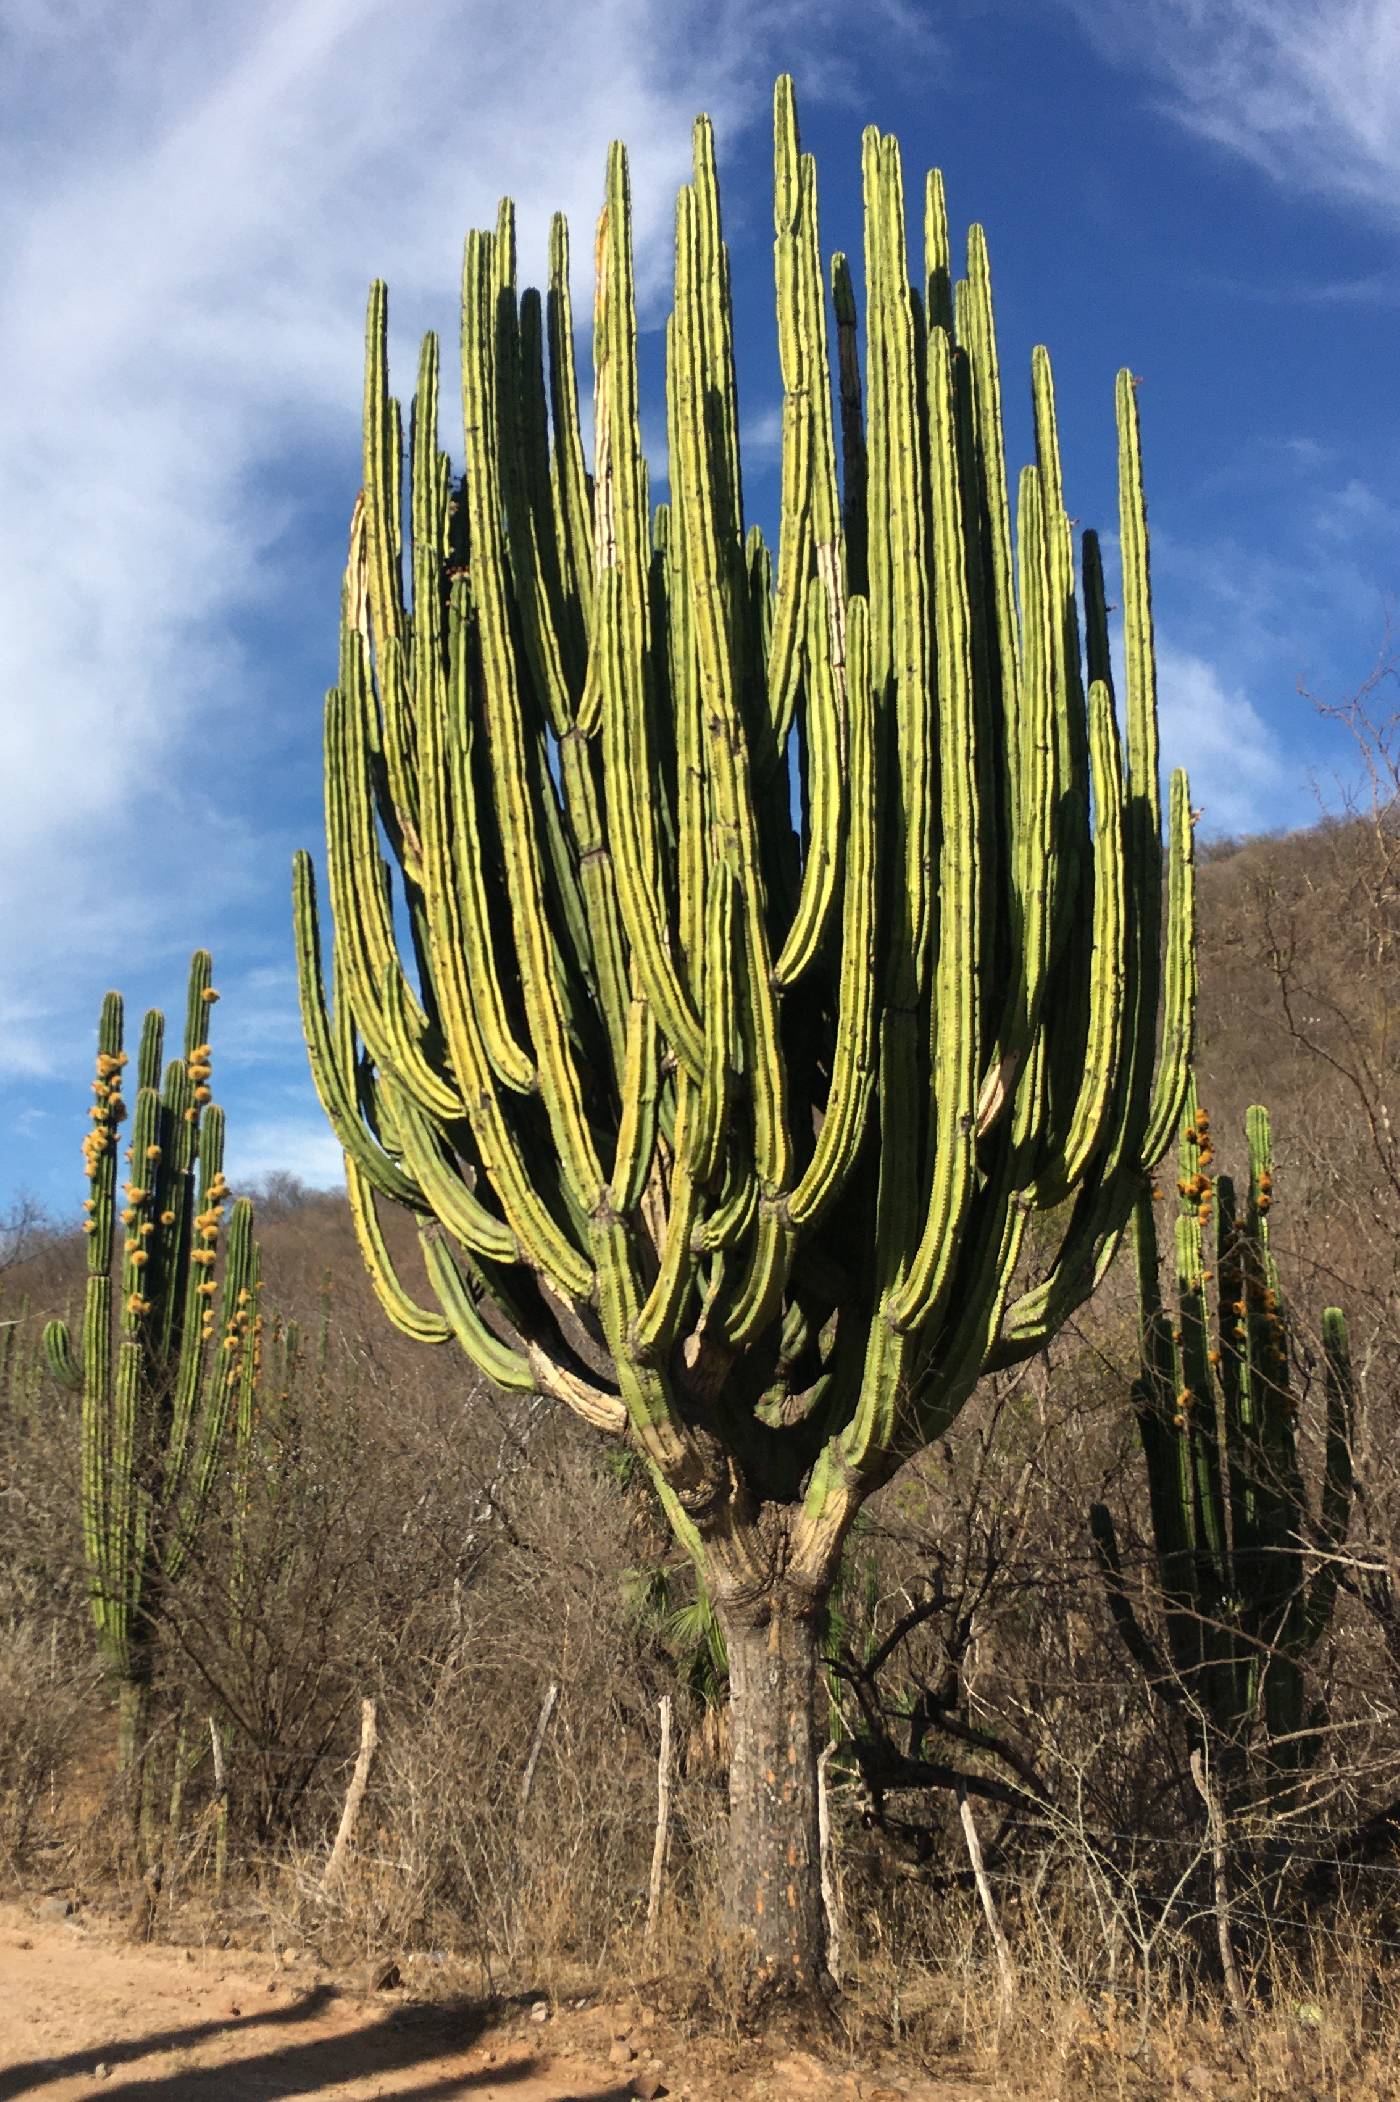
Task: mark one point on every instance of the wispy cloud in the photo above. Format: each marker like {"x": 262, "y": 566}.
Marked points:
{"x": 191, "y": 203}
{"x": 1237, "y": 780}
{"x": 1310, "y": 93}
{"x": 297, "y": 1146}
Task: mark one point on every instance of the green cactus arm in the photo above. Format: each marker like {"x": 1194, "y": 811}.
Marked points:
{"x": 660, "y": 1317}
{"x": 185, "y": 1288}
{"x": 1033, "y": 803}
{"x": 877, "y": 527}
{"x": 428, "y": 508}
{"x": 148, "y": 1056}
{"x": 97, "y": 1505}
{"x": 691, "y": 794}
{"x": 825, "y": 727}
{"x": 58, "y": 1351}
{"x": 573, "y": 498}
{"x": 645, "y": 1387}
{"x": 383, "y": 468}
{"x": 455, "y": 874}
{"x": 1179, "y": 1015}
{"x": 826, "y": 496}
{"x": 848, "y": 1095}
{"x": 731, "y": 1219}
{"x": 190, "y": 1477}
{"x": 335, "y": 1088}
{"x": 442, "y": 1188}
{"x": 899, "y": 495}
{"x": 955, "y": 1032}
{"x": 621, "y": 534}
{"x": 1334, "y": 1517}
{"x": 1103, "y": 1040}
{"x": 123, "y": 1520}
{"x": 705, "y": 1128}
{"x": 493, "y": 1358}
{"x": 1104, "y": 1538}
{"x": 403, "y": 1310}
{"x": 938, "y": 256}
{"x": 359, "y": 901}
{"x": 976, "y": 327}
{"x": 517, "y": 442}
{"x": 796, "y": 364}
{"x": 1198, "y": 1397}
{"x": 854, "y": 461}
{"x": 715, "y": 320}
{"x": 637, "y": 1124}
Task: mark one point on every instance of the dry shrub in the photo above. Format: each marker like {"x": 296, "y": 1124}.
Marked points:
{"x": 43, "y": 1704}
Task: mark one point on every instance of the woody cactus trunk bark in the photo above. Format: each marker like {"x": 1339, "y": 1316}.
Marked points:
{"x": 782, "y": 932}
{"x": 168, "y": 1350}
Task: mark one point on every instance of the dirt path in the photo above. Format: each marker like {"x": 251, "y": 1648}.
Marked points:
{"x": 83, "y": 2013}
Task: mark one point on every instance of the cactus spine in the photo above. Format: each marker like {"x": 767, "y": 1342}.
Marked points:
{"x": 1244, "y": 1564}
{"x": 166, "y": 1347}
{"x": 721, "y": 1125}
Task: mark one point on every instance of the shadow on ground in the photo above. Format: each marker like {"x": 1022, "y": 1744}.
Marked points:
{"x": 387, "y": 2044}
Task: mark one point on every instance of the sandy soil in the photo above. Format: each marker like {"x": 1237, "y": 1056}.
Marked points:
{"x": 86, "y": 2012}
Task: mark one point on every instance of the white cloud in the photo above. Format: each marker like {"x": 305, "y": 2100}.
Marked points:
{"x": 1237, "y": 780}
{"x": 1308, "y": 90}
{"x": 297, "y": 1146}
{"x": 191, "y": 203}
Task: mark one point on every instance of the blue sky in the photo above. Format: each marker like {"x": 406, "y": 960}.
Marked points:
{"x": 193, "y": 201}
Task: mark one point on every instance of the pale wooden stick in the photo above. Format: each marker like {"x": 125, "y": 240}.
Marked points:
{"x": 1006, "y": 1969}
{"x": 1234, "y": 1985}
{"x": 527, "y": 1779}
{"x": 354, "y": 1795}
{"x": 663, "y": 1829}
{"x": 216, "y": 1743}
{"x": 831, "y": 1896}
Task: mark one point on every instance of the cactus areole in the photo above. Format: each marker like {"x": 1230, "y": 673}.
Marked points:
{"x": 766, "y": 933}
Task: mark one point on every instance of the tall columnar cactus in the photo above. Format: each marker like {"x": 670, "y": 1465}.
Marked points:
{"x": 1244, "y": 1564}
{"x": 168, "y": 1341}
{"x": 772, "y": 934}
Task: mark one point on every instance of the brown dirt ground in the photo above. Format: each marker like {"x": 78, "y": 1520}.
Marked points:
{"x": 84, "y": 2012}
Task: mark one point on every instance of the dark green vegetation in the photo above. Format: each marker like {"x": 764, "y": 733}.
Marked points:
{"x": 1247, "y": 1571}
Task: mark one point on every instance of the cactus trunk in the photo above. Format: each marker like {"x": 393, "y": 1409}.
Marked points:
{"x": 768, "y": 934}
{"x": 773, "y": 1886}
